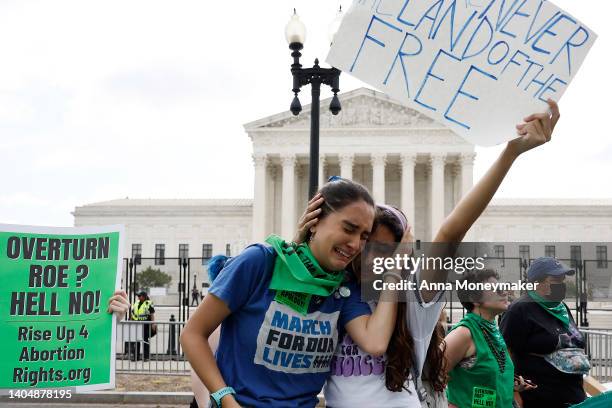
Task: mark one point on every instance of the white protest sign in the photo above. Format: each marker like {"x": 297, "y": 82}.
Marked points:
{"x": 476, "y": 66}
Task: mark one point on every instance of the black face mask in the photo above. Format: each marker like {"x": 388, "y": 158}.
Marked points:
{"x": 557, "y": 292}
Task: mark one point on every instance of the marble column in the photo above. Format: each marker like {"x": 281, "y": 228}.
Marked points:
{"x": 455, "y": 173}
{"x": 346, "y": 166}
{"x": 437, "y": 191}
{"x": 408, "y": 162}
{"x": 300, "y": 191}
{"x": 272, "y": 225}
{"x": 322, "y": 179}
{"x": 260, "y": 161}
{"x": 467, "y": 172}
{"x": 288, "y": 196}
{"x": 378, "y": 160}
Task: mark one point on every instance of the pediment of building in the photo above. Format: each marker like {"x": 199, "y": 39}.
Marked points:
{"x": 361, "y": 108}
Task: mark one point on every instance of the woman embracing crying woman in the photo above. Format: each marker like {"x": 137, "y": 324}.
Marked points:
{"x": 287, "y": 310}
{"x": 281, "y": 305}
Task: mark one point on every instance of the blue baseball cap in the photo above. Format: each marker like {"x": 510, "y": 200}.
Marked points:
{"x": 547, "y": 266}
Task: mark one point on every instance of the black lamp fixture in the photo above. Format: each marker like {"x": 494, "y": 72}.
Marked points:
{"x": 295, "y": 32}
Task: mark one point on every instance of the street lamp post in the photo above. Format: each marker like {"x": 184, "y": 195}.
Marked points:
{"x": 295, "y": 32}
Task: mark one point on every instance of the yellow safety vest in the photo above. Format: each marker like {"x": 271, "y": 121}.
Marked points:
{"x": 141, "y": 313}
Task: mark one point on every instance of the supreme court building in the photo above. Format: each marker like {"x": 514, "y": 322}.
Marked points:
{"x": 404, "y": 158}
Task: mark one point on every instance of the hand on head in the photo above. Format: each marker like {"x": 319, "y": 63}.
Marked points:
{"x": 406, "y": 246}
{"x": 309, "y": 218}
{"x": 407, "y": 238}
{"x": 337, "y": 222}
{"x": 536, "y": 129}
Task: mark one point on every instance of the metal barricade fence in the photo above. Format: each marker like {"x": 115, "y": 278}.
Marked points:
{"x": 139, "y": 352}
{"x": 599, "y": 350}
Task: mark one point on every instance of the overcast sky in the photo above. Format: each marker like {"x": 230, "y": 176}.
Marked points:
{"x": 146, "y": 99}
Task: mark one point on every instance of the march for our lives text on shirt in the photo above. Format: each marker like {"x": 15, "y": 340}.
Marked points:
{"x": 292, "y": 343}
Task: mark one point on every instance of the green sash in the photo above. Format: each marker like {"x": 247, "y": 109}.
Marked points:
{"x": 556, "y": 309}
{"x": 491, "y": 329}
{"x": 297, "y": 275}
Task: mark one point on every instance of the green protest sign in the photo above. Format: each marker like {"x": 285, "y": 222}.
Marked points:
{"x": 56, "y": 283}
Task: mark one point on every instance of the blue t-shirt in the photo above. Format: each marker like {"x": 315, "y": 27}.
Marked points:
{"x": 270, "y": 354}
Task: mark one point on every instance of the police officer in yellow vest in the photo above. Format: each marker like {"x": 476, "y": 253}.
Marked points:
{"x": 143, "y": 310}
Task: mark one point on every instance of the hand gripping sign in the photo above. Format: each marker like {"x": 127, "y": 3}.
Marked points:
{"x": 476, "y": 66}
{"x": 56, "y": 283}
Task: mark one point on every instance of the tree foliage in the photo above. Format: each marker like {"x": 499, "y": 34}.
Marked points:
{"x": 152, "y": 278}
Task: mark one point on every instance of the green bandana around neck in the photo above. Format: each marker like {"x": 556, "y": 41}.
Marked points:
{"x": 557, "y": 309}
{"x": 297, "y": 275}
{"x": 492, "y": 337}
{"x": 490, "y": 327}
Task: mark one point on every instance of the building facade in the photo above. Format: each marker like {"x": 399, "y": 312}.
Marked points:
{"x": 404, "y": 158}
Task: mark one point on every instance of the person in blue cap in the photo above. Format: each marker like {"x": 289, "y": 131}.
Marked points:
{"x": 544, "y": 341}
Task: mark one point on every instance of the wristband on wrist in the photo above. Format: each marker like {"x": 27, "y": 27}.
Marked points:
{"x": 215, "y": 397}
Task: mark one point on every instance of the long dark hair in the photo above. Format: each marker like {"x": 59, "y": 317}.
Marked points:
{"x": 400, "y": 352}
{"x": 337, "y": 194}
{"x": 436, "y": 364}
